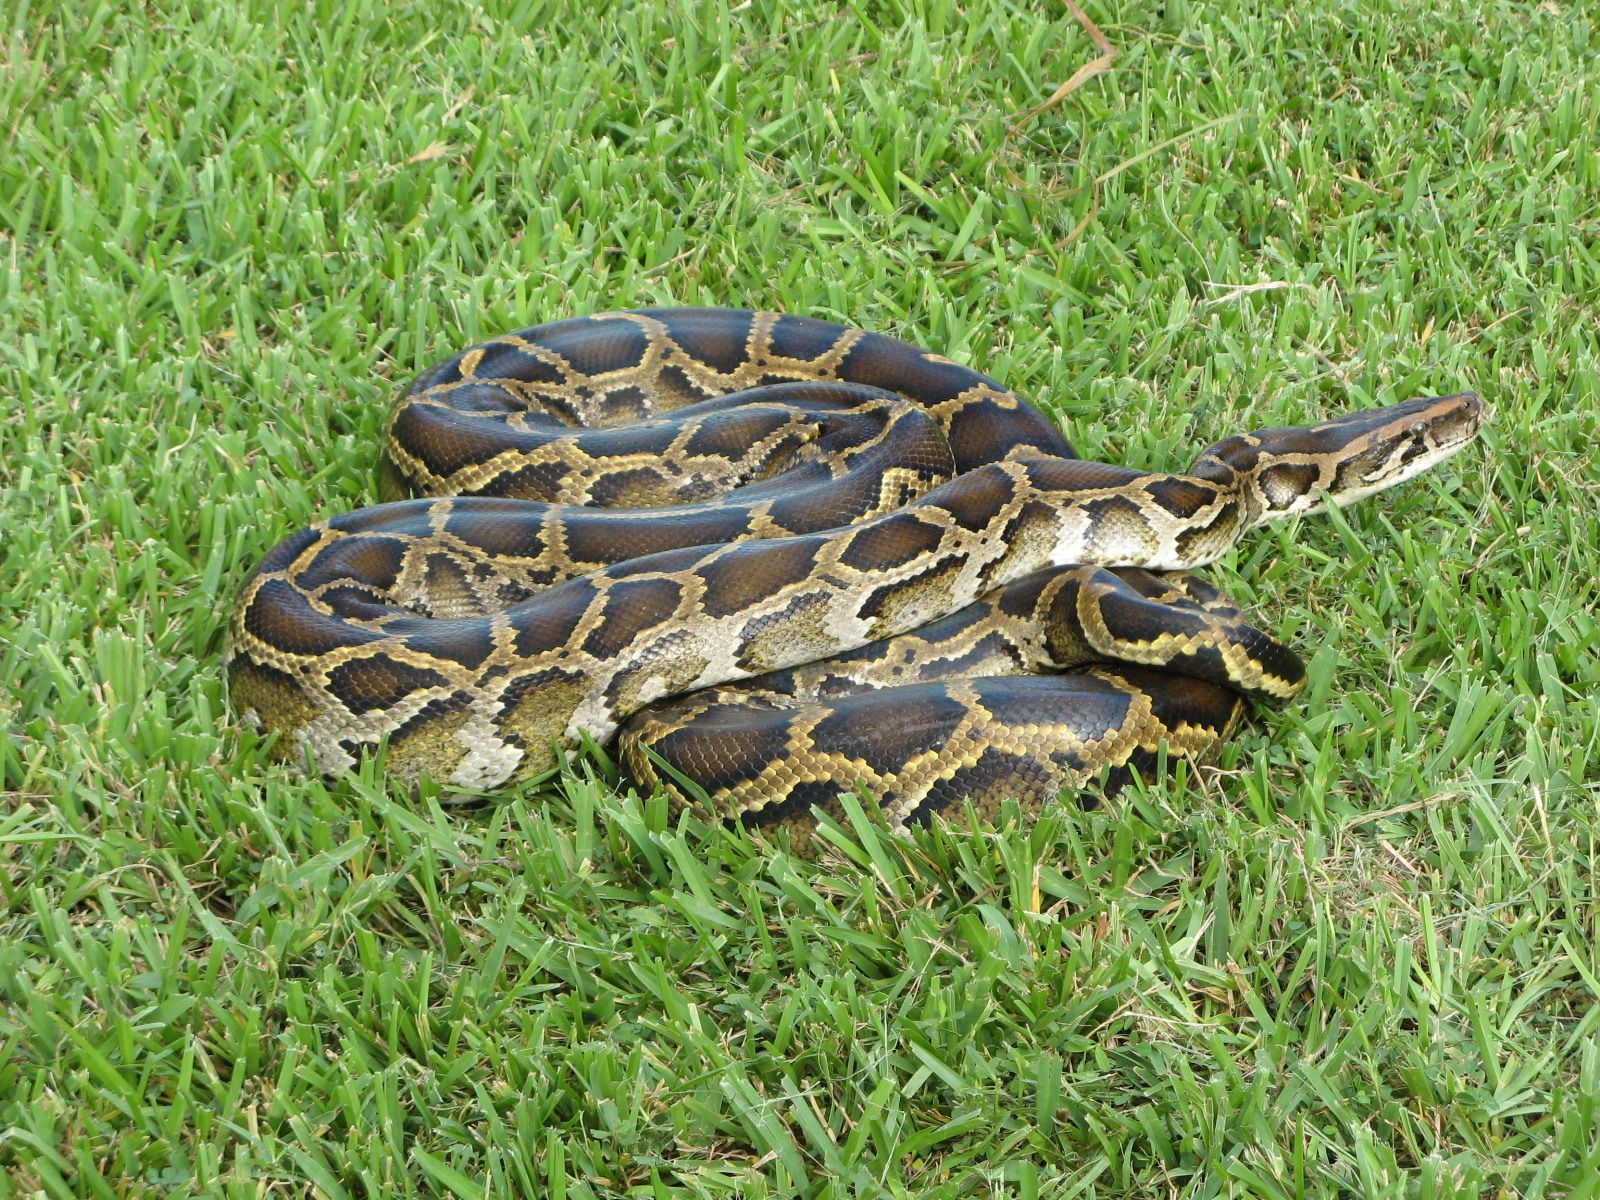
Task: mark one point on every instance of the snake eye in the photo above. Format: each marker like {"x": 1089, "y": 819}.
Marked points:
{"x": 1419, "y": 428}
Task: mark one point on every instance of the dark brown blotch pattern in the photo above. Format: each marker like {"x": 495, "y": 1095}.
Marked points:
{"x": 718, "y": 342}
{"x": 544, "y": 480}
{"x": 980, "y": 432}
{"x": 977, "y": 499}
{"x": 634, "y": 487}
{"x": 802, "y": 338}
{"x": 1285, "y": 483}
{"x": 1190, "y": 540}
{"x": 283, "y": 617}
{"x": 1180, "y": 497}
{"x": 285, "y": 552}
{"x": 405, "y": 517}
{"x": 450, "y": 441}
{"x": 357, "y": 602}
{"x": 746, "y": 574}
{"x": 891, "y": 542}
{"x": 675, "y": 388}
{"x": 730, "y": 435}
{"x": 893, "y": 599}
{"x": 885, "y": 729}
{"x": 1023, "y": 777}
{"x": 506, "y": 359}
{"x": 468, "y": 643}
{"x": 895, "y": 366}
{"x": 498, "y": 530}
{"x": 1178, "y": 700}
{"x": 447, "y": 586}
{"x": 598, "y": 538}
{"x": 553, "y": 621}
{"x": 592, "y": 346}
{"x": 365, "y": 684}
{"x": 374, "y": 561}
{"x": 632, "y": 608}
{"x": 722, "y": 748}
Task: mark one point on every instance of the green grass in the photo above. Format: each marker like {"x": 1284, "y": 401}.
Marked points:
{"x": 1358, "y": 961}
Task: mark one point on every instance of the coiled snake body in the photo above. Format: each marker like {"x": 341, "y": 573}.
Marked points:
{"x": 908, "y": 527}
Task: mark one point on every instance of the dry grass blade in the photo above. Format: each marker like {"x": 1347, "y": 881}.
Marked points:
{"x": 1108, "y": 55}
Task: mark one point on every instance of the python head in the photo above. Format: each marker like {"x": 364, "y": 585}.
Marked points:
{"x": 1286, "y": 472}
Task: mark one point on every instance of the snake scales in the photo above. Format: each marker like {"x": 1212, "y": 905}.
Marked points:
{"x": 637, "y": 510}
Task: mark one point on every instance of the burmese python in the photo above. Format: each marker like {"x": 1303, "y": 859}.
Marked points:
{"x": 819, "y": 495}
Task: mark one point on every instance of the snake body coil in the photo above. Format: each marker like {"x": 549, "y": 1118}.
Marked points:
{"x": 636, "y": 510}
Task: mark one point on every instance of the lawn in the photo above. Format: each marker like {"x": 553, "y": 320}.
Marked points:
{"x": 1357, "y": 959}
